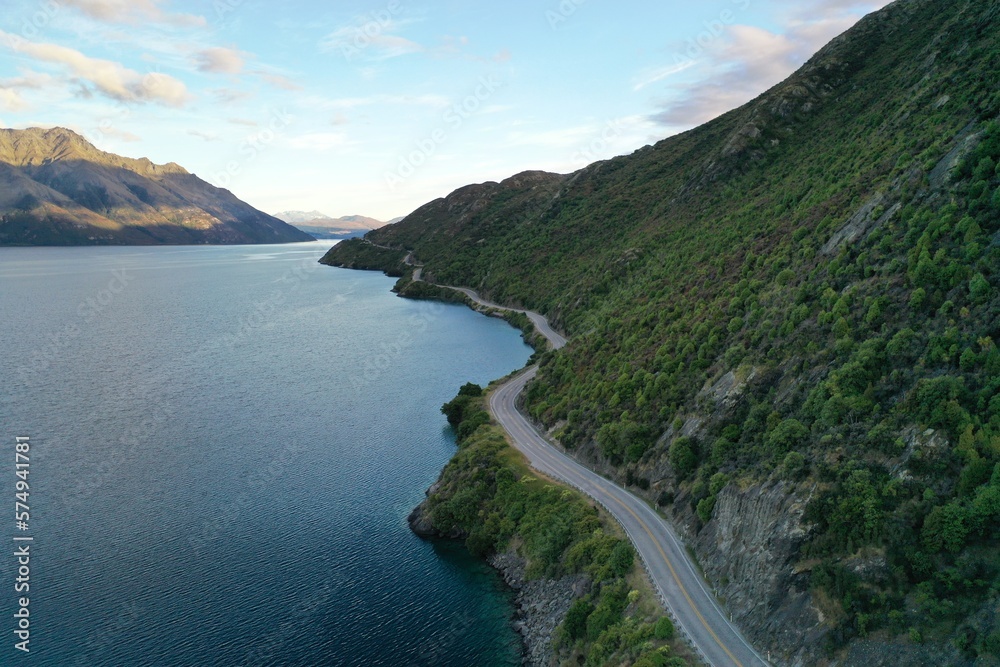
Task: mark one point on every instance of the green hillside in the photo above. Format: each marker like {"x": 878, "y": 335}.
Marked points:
{"x": 804, "y": 289}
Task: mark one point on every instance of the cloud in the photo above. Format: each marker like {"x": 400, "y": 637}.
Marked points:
{"x": 373, "y": 39}
{"x": 745, "y": 61}
{"x": 278, "y": 80}
{"x": 229, "y": 95}
{"x": 11, "y": 100}
{"x": 28, "y": 80}
{"x": 110, "y": 78}
{"x": 121, "y": 135}
{"x": 207, "y": 136}
{"x": 220, "y": 60}
{"x": 10, "y": 89}
{"x": 243, "y": 121}
{"x": 650, "y": 77}
{"x": 134, "y": 12}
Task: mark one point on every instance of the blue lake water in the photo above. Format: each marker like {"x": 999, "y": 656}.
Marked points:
{"x": 225, "y": 443}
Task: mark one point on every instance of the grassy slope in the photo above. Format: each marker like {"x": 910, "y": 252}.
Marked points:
{"x": 706, "y": 254}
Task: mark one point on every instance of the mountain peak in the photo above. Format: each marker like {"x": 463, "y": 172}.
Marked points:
{"x": 37, "y": 146}
{"x": 56, "y": 188}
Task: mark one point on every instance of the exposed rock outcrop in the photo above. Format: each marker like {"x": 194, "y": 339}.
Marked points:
{"x": 541, "y": 605}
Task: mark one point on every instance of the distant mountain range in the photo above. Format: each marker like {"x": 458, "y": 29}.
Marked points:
{"x": 323, "y": 226}
{"x": 56, "y": 188}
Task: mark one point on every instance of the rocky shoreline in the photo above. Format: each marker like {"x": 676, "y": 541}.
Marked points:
{"x": 541, "y": 604}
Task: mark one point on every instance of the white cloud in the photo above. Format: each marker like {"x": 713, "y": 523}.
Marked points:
{"x": 371, "y": 39}
{"x": 650, "y": 77}
{"x": 121, "y": 135}
{"x": 230, "y": 95}
{"x": 110, "y": 78}
{"x": 220, "y": 60}
{"x": 133, "y": 12}
{"x": 207, "y": 136}
{"x": 278, "y": 80}
{"x": 745, "y": 61}
{"x": 11, "y": 100}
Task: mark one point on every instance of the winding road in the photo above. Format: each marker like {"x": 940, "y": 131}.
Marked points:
{"x": 679, "y": 584}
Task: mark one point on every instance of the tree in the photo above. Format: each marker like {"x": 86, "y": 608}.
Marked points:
{"x": 945, "y": 528}
{"x": 789, "y": 434}
{"x": 682, "y": 457}
{"x": 979, "y": 288}
{"x": 622, "y": 557}
{"x": 575, "y": 624}
{"x": 470, "y": 389}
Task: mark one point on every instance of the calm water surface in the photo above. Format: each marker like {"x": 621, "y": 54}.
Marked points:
{"x": 225, "y": 443}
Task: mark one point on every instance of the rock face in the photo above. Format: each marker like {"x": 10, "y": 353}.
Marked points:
{"x": 541, "y": 605}
{"x": 58, "y": 189}
{"x": 747, "y": 551}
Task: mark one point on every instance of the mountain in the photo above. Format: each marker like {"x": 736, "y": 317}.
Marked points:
{"x": 293, "y": 217}
{"x": 58, "y": 189}
{"x": 324, "y": 227}
{"x": 784, "y": 329}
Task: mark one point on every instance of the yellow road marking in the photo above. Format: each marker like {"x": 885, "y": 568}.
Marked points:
{"x": 673, "y": 573}
{"x": 663, "y": 554}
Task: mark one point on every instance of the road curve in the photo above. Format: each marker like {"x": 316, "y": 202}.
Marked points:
{"x": 679, "y": 584}
{"x": 541, "y": 324}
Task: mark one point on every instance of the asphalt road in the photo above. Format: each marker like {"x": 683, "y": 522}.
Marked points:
{"x": 554, "y": 337}
{"x": 679, "y": 584}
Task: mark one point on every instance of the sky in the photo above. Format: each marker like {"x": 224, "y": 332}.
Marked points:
{"x": 377, "y": 107}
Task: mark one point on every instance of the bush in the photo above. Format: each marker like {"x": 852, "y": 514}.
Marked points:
{"x": 575, "y": 624}
{"x": 789, "y": 434}
{"x": 682, "y": 457}
{"x": 705, "y": 508}
{"x": 664, "y": 629}
{"x": 470, "y": 389}
{"x": 622, "y": 558}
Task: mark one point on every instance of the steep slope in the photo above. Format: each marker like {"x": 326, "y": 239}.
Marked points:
{"x": 784, "y": 333}
{"x": 58, "y": 189}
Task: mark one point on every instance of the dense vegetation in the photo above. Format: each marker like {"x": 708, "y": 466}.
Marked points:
{"x": 832, "y": 251}
{"x": 488, "y": 493}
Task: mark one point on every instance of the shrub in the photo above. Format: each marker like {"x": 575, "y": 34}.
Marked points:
{"x": 664, "y": 629}
{"x": 575, "y": 624}
{"x": 682, "y": 457}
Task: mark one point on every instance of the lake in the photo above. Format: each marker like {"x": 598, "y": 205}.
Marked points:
{"x": 225, "y": 443}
